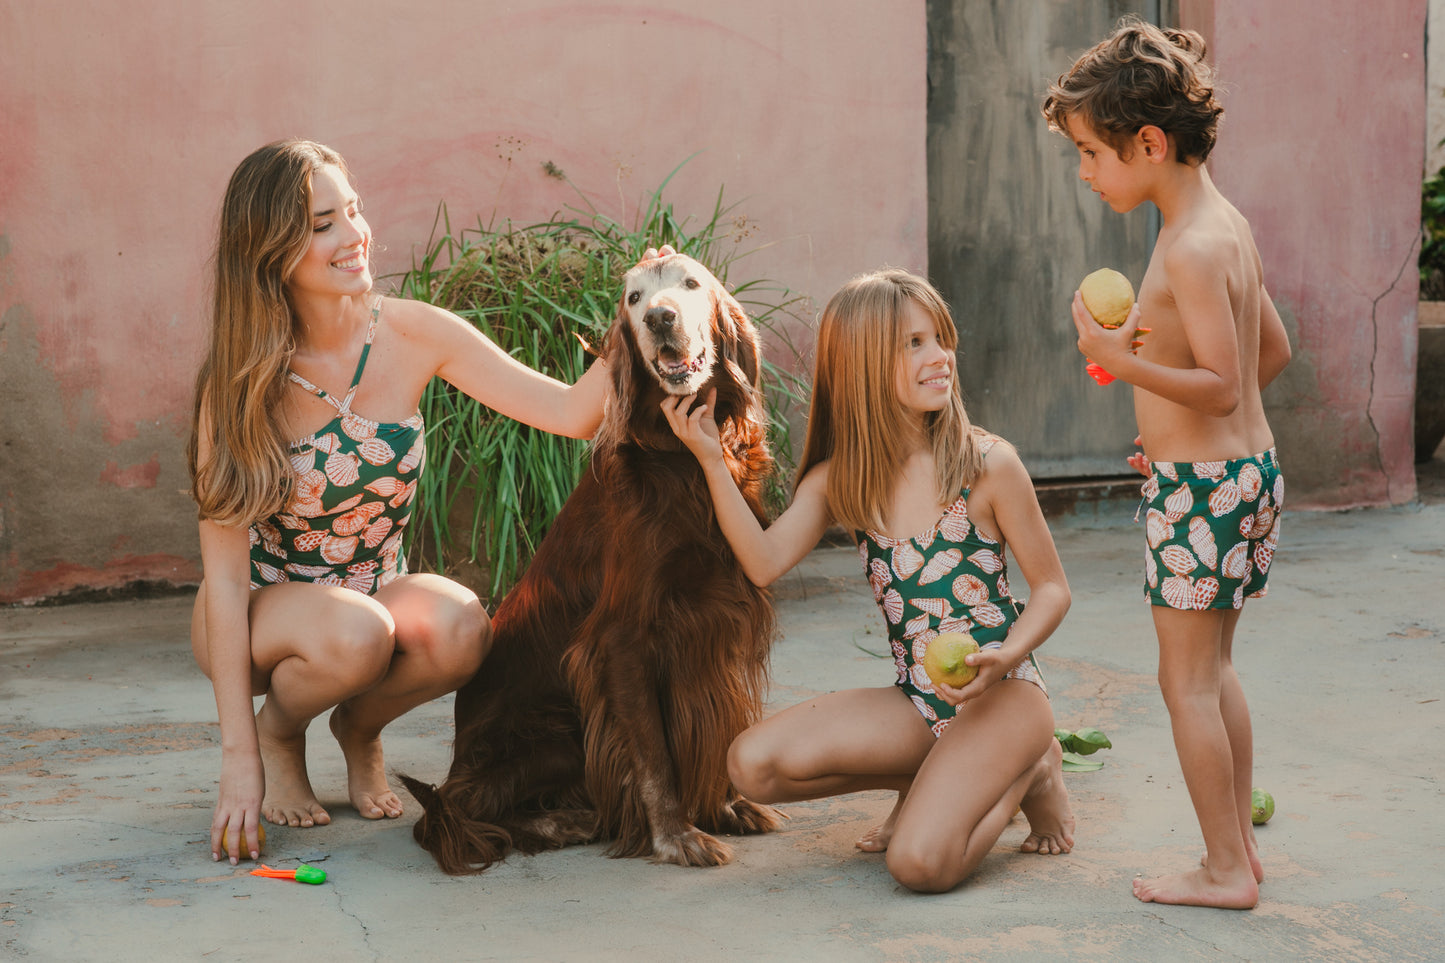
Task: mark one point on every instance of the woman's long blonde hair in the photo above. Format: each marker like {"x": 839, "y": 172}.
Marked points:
{"x": 265, "y": 229}
{"x": 856, "y": 420}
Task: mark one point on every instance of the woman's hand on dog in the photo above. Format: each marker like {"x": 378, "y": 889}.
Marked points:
{"x": 692, "y": 421}
{"x": 653, "y": 253}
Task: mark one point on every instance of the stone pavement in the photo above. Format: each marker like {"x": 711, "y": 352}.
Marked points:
{"x": 109, "y": 758}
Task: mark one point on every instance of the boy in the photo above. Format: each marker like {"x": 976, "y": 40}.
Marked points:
{"x": 1140, "y": 108}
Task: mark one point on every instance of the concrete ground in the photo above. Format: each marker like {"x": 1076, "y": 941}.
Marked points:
{"x": 109, "y": 759}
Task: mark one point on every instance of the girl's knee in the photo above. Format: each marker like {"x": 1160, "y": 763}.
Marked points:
{"x": 359, "y": 646}
{"x": 920, "y": 864}
{"x": 752, "y": 768}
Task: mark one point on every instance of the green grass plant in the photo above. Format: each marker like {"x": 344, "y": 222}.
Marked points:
{"x": 491, "y": 485}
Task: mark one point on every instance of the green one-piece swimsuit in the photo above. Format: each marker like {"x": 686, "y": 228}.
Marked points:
{"x": 355, "y": 481}
{"x": 951, "y": 578}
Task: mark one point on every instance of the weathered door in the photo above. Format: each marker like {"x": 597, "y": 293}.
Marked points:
{"x": 1012, "y": 230}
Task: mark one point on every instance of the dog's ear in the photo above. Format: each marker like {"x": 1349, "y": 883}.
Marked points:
{"x": 737, "y": 337}
{"x": 616, "y": 352}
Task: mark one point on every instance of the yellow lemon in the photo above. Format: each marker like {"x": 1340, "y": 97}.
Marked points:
{"x": 1108, "y": 295}
{"x": 943, "y": 660}
{"x": 234, "y": 840}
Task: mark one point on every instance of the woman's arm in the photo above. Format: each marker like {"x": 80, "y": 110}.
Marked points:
{"x": 225, "y": 557}
{"x": 765, "y": 553}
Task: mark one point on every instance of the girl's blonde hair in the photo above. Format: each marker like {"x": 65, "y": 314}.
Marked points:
{"x": 265, "y": 229}
{"x": 856, "y": 419}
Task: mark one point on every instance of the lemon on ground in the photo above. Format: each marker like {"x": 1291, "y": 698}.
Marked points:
{"x": 943, "y": 660}
{"x": 233, "y": 839}
{"x": 1261, "y": 807}
{"x": 1108, "y": 295}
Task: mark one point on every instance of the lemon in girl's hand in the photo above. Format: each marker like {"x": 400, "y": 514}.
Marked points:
{"x": 1108, "y": 295}
{"x": 234, "y": 840}
{"x": 944, "y": 659}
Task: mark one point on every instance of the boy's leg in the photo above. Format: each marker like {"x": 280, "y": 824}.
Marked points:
{"x": 1191, "y": 677}
{"x": 994, "y": 757}
{"x": 1235, "y": 710}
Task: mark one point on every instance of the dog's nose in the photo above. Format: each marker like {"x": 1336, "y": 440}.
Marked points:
{"x": 660, "y": 318}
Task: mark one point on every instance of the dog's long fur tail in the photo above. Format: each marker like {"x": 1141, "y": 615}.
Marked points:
{"x": 515, "y": 785}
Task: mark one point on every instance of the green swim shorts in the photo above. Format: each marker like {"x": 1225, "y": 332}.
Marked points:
{"x": 1212, "y": 528}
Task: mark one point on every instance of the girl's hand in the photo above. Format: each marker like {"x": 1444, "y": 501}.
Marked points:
{"x": 1140, "y": 461}
{"x": 992, "y": 665}
{"x": 238, "y": 808}
{"x": 694, "y": 424}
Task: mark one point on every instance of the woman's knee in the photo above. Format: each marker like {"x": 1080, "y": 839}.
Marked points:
{"x": 449, "y": 630}
{"x": 358, "y": 644}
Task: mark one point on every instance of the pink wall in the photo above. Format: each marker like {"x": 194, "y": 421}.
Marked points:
{"x": 118, "y": 130}
{"x": 1321, "y": 148}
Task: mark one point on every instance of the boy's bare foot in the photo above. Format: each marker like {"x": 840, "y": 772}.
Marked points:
{"x": 876, "y": 840}
{"x": 1251, "y": 850}
{"x": 1200, "y": 888}
{"x": 289, "y": 799}
{"x": 1046, "y": 806}
{"x": 365, "y": 770}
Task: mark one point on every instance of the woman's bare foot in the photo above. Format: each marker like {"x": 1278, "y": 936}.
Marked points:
{"x": 1046, "y": 806}
{"x": 289, "y": 799}
{"x": 365, "y": 770}
{"x": 1201, "y": 888}
{"x": 876, "y": 840}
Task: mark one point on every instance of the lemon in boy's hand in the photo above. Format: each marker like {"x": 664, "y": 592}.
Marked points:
{"x": 944, "y": 659}
{"x": 234, "y": 840}
{"x": 1108, "y": 295}
{"x": 1261, "y": 807}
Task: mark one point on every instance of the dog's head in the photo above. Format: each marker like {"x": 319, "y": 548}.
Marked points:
{"x": 678, "y": 332}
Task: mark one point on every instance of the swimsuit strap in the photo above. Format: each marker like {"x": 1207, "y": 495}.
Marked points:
{"x": 344, "y": 406}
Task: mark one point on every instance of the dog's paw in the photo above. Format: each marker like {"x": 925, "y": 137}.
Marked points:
{"x": 744, "y": 817}
{"x": 691, "y": 848}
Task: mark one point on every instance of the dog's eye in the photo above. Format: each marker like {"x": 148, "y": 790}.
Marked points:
{"x": 692, "y": 283}
{"x": 633, "y": 296}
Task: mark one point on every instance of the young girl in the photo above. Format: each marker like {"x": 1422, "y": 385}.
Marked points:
{"x": 932, "y": 502}
{"x": 305, "y": 450}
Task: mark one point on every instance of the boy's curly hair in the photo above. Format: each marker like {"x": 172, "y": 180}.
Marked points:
{"x": 1141, "y": 75}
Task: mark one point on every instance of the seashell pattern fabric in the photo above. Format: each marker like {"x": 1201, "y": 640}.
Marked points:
{"x": 951, "y": 578}
{"x": 354, "y": 484}
{"x": 1212, "y": 528}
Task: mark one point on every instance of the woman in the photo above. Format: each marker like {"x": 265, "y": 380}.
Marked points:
{"x": 305, "y": 449}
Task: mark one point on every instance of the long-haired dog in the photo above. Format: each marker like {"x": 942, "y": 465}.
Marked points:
{"x": 634, "y": 649}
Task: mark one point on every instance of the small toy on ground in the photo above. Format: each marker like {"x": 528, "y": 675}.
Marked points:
{"x": 301, "y": 874}
{"x": 1261, "y": 807}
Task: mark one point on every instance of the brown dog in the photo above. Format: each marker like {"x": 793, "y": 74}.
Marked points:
{"x": 634, "y": 649}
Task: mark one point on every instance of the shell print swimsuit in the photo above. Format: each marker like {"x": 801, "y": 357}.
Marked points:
{"x": 951, "y": 578}
{"x": 355, "y": 481}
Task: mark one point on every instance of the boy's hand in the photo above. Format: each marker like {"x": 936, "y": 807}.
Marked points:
{"x": 1104, "y": 347}
{"x": 1139, "y": 461}
{"x": 694, "y": 424}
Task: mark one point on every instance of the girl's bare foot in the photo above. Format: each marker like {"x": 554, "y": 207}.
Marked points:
{"x": 365, "y": 770}
{"x": 876, "y": 840}
{"x": 289, "y": 799}
{"x": 1046, "y": 806}
{"x": 1201, "y": 888}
